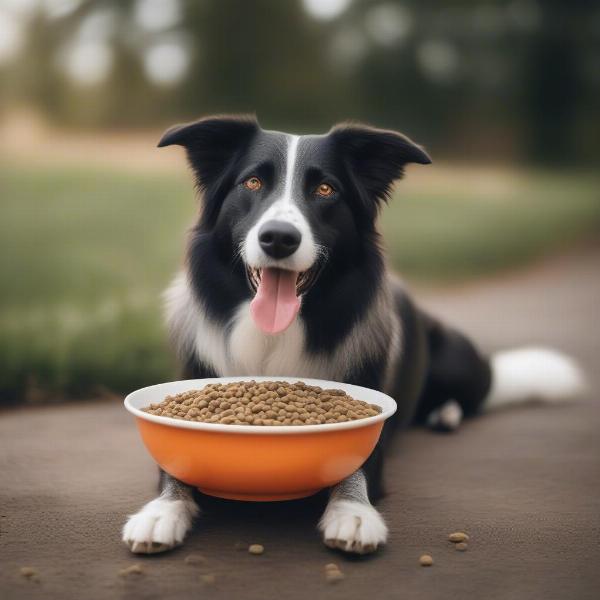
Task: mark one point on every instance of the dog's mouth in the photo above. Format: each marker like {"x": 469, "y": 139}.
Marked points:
{"x": 277, "y": 295}
{"x": 304, "y": 279}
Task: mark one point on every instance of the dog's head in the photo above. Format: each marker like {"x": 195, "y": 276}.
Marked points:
{"x": 286, "y": 204}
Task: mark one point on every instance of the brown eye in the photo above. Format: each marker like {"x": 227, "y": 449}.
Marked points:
{"x": 253, "y": 183}
{"x": 324, "y": 190}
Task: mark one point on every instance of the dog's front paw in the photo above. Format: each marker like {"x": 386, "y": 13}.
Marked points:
{"x": 160, "y": 525}
{"x": 446, "y": 418}
{"x": 353, "y": 527}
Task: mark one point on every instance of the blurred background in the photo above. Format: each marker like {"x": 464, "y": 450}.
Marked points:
{"x": 504, "y": 95}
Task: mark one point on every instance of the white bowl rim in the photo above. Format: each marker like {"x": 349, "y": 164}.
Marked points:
{"x": 388, "y": 406}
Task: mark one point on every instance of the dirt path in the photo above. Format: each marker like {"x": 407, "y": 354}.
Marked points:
{"x": 525, "y": 484}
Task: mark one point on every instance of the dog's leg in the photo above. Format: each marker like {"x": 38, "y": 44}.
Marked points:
{"x": 162, "y": 523}
{"x": 349, "y": 522}
{"x": 458, "y": 380}
{"x": 446, "y": 418}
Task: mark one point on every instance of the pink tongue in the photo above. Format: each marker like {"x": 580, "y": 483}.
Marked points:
{"x": 275, "y": 305}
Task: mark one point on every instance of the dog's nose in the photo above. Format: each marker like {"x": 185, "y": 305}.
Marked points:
{"x": 279, "y": 239}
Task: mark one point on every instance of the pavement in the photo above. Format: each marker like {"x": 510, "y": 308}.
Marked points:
{"x": 524, "y": 484}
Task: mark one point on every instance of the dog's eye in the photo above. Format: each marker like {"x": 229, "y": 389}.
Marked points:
{"x": 253, "y": 183}
{"x": 324, "y": 190}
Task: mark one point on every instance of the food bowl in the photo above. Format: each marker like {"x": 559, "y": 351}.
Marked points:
{"x": 260, "y": 463}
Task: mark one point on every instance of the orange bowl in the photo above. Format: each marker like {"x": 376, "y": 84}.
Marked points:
{"x": 249, "y": 462}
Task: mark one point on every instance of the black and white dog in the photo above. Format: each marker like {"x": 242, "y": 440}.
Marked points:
{"x": 285, "y": 276}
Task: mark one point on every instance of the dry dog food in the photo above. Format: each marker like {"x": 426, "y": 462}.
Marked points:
{"x": 264, "y": 403}
{"x": 256, "y": 548}
{"x": 461, "y": 546}
{"x": 426, "y": 560}
{"x": 333, "y": 574}
{"x": 135, "y": 569}
{"x": 29, "y": 573}
{"x": 458, "y": 536}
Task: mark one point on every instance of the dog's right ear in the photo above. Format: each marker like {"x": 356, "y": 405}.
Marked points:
{"x": 211, "y": 143}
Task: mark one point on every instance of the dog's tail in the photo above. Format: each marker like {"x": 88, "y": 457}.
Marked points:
{"x": 533, "y": 374}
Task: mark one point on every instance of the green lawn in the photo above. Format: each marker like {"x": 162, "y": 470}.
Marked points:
{"x": 85, "y": 253}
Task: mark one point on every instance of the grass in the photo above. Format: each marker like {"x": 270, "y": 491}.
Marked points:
{"x": 479, "y": 225}
{"x": 84, "y": 254}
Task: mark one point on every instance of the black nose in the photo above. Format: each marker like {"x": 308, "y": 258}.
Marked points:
{"x": 279, "y": 239}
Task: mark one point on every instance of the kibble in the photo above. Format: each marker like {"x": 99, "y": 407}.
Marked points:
{"x": 461, "y": 546}
{"x": 29, "y": 573}
{"x": 256, "y": 548}
{"x": 264, "y": 403}
{"x": 458, "y": 536}
{"x": 333, "y": 574}
{"x": 426, "y": 560}
{"x": 135, "y": 569}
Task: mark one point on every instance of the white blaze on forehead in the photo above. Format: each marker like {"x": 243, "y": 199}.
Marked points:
{"x": 284, "y": 209}
{"x": 290, "y": 166}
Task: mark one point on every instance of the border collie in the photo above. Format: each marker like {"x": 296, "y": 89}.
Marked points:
{"x": 285, "y": 276}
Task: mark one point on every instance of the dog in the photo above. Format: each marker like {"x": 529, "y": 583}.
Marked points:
{"x": 285, "y": 276}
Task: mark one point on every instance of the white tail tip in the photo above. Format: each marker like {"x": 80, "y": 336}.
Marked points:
{"x": 528, "y": 374}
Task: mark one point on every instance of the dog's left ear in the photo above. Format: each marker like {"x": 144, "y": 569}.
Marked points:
{"x": 212, "y": 143}
{"x": 376, "y": 157}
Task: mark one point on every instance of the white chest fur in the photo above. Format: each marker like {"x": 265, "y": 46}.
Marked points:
{"x": 242, "y": 349}
{"x": 245, "y": 350}
{"x": 251, "y": 351}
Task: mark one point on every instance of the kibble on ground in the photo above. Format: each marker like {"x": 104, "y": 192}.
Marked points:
{"x": 135, "y": 569}
{"x": 256, "y": 548}
{"x": 333, "y": 573}
{"x": 426, "y": 560}
{"x": 264, "y": 403}
{"x": 458, "y": 536}
{"x": 29, "y": 573}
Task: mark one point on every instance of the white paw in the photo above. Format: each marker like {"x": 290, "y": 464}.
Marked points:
{"x": 447, "y": 417}
{"x": 160, "y": 525}
{"x": 353, "y": 527}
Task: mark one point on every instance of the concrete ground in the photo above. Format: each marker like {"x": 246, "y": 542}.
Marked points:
{"x": 525, "y": 485}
